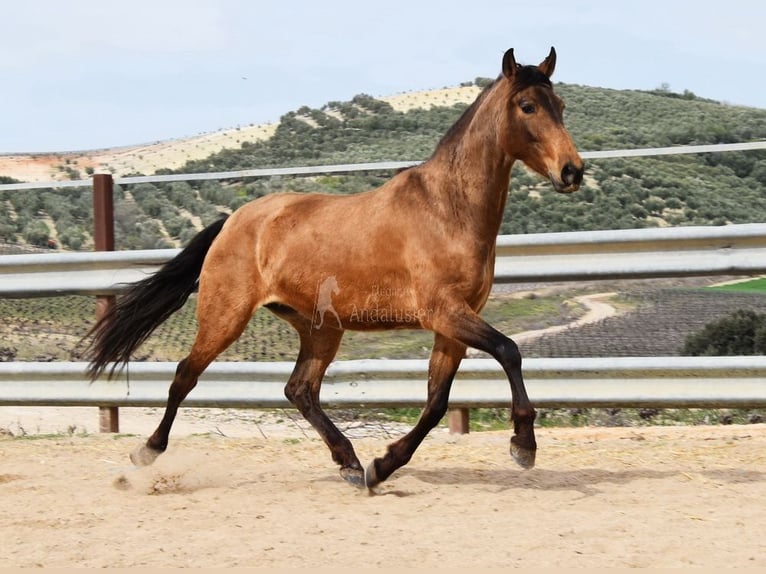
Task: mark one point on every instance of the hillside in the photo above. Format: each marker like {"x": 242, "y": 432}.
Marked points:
{"x": 705, "y": 189}
{"x": 709, "y": 189}
{"x": 145, "y": 158}
{"x": 173, "y": 154}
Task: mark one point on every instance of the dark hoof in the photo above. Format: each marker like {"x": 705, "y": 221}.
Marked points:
{"x": 524, "y": 457}
{"x": 144, "y": 456}
{"x": 371, "y": 476}
{"x": 354, "y": 476}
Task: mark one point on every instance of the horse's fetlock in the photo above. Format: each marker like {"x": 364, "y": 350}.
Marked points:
{"x": 525, "y": 415}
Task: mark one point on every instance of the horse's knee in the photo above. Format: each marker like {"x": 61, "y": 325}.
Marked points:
{"x": 508, "y": 353}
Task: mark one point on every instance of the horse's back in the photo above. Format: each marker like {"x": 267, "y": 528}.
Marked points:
{"x": 374, "y": 237}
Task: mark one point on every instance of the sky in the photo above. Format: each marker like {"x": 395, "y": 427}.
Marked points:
{"x": 89, "y": 74}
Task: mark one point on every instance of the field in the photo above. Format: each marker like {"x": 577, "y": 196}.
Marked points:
{"x": 651, "y": 318}
{"x": 753, "y": 286}
{"x": 53, "y": 328}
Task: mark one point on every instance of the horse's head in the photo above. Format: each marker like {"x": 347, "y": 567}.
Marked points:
{"x": 534, "y": 129}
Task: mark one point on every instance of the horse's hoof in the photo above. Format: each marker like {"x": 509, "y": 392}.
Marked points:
{"x": 144, "y": 456}
{"x": 524, "y": 457}
{"x": 371, "y": 476}
{"x": 354, "y": 476}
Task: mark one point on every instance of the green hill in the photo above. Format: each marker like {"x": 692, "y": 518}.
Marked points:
{"x": 701, "y": 189}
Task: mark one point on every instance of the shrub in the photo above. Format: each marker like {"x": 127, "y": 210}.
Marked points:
{"x": 742, "y": 333}
{"x": 37, "y": 233}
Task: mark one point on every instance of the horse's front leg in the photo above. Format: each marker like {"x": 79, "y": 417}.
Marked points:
{"x": 445, "y": 360}
{"x": 317, "y": 351}
{"x": 469, "y": 328}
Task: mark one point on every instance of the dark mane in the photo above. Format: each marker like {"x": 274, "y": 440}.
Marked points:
{"x": 457, "y": 129}
{"x": 526, "y": 77}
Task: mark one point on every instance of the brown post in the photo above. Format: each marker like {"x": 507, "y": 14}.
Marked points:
{"x": 103, "y": 236}
{"x": 459, "y": 421}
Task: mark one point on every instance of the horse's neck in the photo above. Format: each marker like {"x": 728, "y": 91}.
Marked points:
{"x": 474, "y": 174}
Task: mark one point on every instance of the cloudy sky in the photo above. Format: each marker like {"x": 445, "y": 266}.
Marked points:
{"x": 84, "y": 74}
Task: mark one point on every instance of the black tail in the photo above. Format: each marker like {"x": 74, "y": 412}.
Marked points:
{"x": 147, "y": 304}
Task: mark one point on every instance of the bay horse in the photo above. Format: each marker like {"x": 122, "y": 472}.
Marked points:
{"x": 416, "y": 253}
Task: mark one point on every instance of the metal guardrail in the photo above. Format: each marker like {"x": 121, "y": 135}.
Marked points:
{"x": 643, "y": 381}
{"x": 632, "y": 253}
{"x": 77, "y": 273}
{"x": 720, "y": 382}
{"x": 619, "y": 382}
{"x": 370, "y": 166}
{"x": 545, "y": 257}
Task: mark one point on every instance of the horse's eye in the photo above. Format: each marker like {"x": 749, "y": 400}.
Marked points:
{"x": 527, "y": 108}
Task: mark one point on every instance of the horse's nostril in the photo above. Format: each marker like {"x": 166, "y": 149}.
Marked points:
{"x": 571, "y": 175}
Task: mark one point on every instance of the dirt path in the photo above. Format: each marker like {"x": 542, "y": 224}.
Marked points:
{"x": 597, "y": 310}
{"x": 626, "y": 497}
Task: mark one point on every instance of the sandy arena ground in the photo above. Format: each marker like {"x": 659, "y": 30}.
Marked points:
{"x": 264, "y": 492}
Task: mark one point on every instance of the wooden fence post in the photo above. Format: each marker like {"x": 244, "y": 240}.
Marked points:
{"x": 103, "y": 236}
{"x": 459, "y": 421}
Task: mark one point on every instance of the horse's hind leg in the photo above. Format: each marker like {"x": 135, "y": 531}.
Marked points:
{"x": 445, "y": 360}
{"x": 184, "y": 381}
{"x": 318, "y": 348}
{"x": 222, "y": 317}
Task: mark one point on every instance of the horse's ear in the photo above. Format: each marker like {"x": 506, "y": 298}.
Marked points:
{"x": 509, "y": 64}
{"x": 549, "y": 64}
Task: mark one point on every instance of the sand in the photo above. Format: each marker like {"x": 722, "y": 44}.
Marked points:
{"x": 265, "y": 493}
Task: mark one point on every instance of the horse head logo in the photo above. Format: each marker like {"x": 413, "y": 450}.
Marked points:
{"x": 325, "y": 290}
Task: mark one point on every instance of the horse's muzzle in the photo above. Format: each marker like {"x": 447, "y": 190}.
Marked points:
{"x": 570, "y": 178}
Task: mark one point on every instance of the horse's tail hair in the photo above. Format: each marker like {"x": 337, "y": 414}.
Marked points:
{"x": 147, "y": 304}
